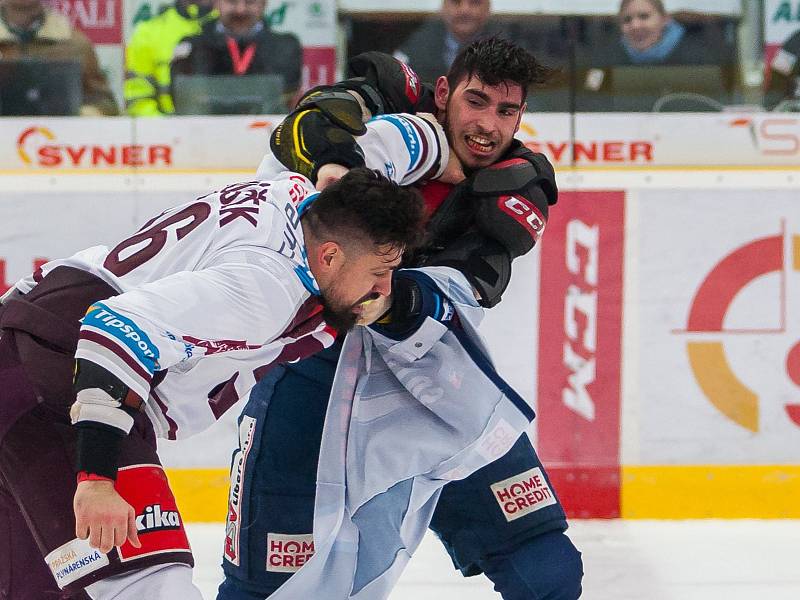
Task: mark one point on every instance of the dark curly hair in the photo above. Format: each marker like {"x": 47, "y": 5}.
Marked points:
{"x": 364, "y": 206}
{"x": 496, "y": 60}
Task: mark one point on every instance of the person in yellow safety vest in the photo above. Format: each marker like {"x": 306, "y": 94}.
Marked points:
{"x": 149, "y": 52}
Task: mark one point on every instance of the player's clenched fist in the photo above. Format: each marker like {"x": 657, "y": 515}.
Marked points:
{"x": 102, "y": 516}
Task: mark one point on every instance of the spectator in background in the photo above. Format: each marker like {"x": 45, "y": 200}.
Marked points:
{"x": 30, "y": 30}
{"x": 240, "y": 42}
{"x": 149, "y": 53}
{"x": 652, "y": 62}
{"x": 783, "y": 87}
{"x": 651, "y": 36}
{"x": 431, "y": 49}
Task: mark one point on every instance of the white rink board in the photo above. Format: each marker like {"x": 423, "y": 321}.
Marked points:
{"x": 674, "y": 237}
{"x": 681, "y": 237}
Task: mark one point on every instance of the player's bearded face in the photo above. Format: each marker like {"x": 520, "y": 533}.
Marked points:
{"x": 481, "y": 120}
{"x": 340, "y": 314}
{"x": 360, "y": 279}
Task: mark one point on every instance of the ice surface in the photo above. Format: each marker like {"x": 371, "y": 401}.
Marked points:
{"x": 623, "y": 560}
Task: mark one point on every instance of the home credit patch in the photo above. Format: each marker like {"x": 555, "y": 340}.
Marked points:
{"x": 286, "y": 553}
{"x": 523, "y": 494}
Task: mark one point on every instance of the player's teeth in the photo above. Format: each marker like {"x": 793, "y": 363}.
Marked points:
{"x": 479, "y": 140}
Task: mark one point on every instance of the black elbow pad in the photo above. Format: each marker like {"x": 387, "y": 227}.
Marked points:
{"x": 485, "y": 262}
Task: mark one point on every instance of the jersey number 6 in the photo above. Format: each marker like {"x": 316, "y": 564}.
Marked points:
{"x": 155, "y": 234}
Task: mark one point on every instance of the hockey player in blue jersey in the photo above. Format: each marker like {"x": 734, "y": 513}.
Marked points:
{"x": 478, "y": 227}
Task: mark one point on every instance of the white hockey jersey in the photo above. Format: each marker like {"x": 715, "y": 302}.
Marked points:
{"x": 221, "y": 281}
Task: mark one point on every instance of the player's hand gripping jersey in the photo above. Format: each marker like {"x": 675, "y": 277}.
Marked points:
{"x": 229, "y": 269}
{"x": 405, "y": 148}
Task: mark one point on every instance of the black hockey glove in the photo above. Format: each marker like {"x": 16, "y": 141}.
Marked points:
{"x": 321, "y": 129}
{"x": 307, "y": 140}
{"x": 496, "y": 215}
{"x": 414, "y": 298}
{"x": 388, "y": 85}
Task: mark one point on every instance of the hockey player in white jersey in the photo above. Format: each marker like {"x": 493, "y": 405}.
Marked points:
{"x": 164, "y": 332}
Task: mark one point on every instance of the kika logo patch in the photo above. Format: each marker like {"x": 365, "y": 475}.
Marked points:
{"x": 153, "y": 518}
{"x": 523, "y": 494}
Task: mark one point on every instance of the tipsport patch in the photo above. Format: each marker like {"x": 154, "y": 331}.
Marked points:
{"x": 286, "y": 553}
{"x": 523, "y": 494}
{"x": 74, "y": 560}
{"x": 125, "y": 331}
{"x": 158, "y": 520}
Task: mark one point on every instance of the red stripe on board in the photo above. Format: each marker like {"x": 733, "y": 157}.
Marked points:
{"x": 580, "y": 341}
{"x": 574, "y": 484}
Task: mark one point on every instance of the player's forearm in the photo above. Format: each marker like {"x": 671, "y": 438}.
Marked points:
{"x": 103, "y": 414}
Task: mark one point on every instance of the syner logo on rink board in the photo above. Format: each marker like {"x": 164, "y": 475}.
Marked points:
{"x": 40, "y": 147}
{"x": 613, "y": 151}
{"x": 712, "y": 340}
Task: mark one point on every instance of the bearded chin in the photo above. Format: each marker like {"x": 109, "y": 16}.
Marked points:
{"x": 341, "y": 320}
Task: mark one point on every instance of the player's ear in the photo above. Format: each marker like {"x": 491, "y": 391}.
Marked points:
{"x": 331, "y": 256}
{"x": 442, "y": 92}
{"x": 522, "y": 111}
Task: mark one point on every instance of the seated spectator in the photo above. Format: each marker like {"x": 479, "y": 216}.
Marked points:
{"x": 651, "y": 36}
{"x": 431, "y": 49}
{"x": 652, "y": 62}
{"x": 783, "y": 86}
{"x": 149, "y": 53}
{"x": 30, "y": 30}
{"x": 240, "y": 42}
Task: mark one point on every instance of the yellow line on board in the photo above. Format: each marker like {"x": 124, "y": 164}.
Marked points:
{"x": 648, "y": 492}
{"x": 711, "y": 492}
{"x": 202, "y": 494}
{"x": 641, "y": 168}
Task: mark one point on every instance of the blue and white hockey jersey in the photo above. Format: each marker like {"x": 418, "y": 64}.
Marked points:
{"x": 404, "y": 419}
